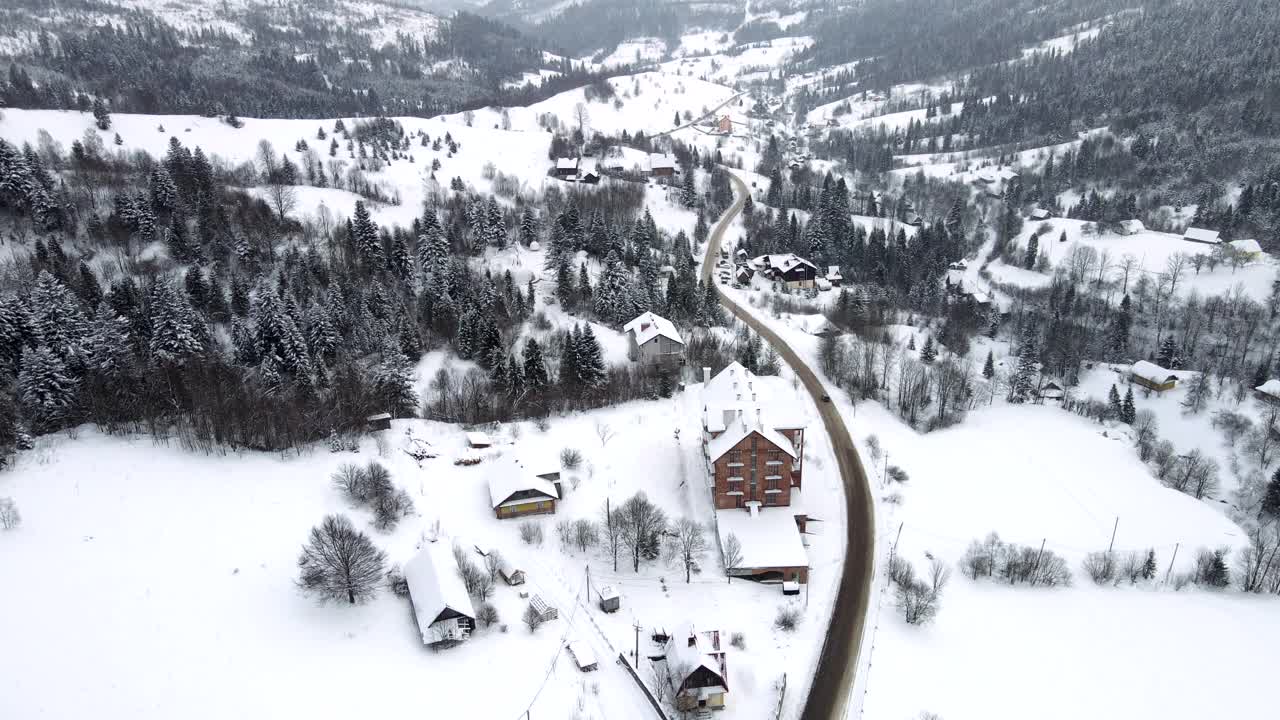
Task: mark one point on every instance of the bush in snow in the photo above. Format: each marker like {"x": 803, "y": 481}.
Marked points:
{"x": 787, "y": 619}
{"x": 532, "y": 619}
{"x": 564, "y": 533}
{"x": 339, "y": 562}
{"x": 531, "y": 532}
{"x": 1211, "y": 568}
{"x": 371, "y": 486}
{"x": 897, "y": 474}
{"x": 873, "y": 447}
{"x": 571, "y": 458}
{"x": 992, "y": 557}
{"x": 738, "y": 640}
{"x": 1100, "y": 566}
{"x": 10, "y": 518}
{"x": 487, "y": 614}
{"x": 396, "y": 582}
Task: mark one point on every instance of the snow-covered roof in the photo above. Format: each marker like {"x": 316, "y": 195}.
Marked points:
{"x": 608, "y": 592}
{"x": 1201, "y": 235}
{"x": 1039, "y": 214}
{"x": 736, "y": 390}
{"x": 566, "y": 163}
{"x": 744, "y": 272}
{"x": 1246, "y": 246}
{"x": 743, "y": 423}
{"x": 582, "y": 653}
{"x": 434, "y": 586}
{"x": 701, "y": 652}
{"x": 587, "y": 166}
{"x": 507, "y": 477}
{"x": 769, "y": 537}
{"x": 379, "y": 416}
{"x": 823, "y": 283}
{"x": 649, "y": 326}
{"x": 1132, "y": 226}
{"x": 782, "y": 262}
{"x": 478, "y": 439}
{"x": 833, "y": 272}
{"x": 1151, "y": 371}
{"x": 1270, "y": 387}
{"x": 658, "y": 161}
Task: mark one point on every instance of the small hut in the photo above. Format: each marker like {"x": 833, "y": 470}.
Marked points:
{"x": 511, "y": 574}
{"x": 381, "y": 421}
{"x": 610, "y": 600}
{"x": 583, "y": 656}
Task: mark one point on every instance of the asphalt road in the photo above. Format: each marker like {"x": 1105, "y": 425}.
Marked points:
{"x": 834, "y": 675}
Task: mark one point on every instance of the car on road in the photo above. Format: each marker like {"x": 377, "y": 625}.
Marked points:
{"x": 826, "y": 398}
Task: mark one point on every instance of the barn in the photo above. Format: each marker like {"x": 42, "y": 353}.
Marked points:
{"x": 1152, "y": 376}
{"x": 440, "y": 600}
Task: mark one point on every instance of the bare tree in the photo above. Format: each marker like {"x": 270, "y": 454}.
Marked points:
{"x": 493, "y": 563}
{"x": 1174, "y": 267}
{"x": 585, "y": 534}
{"x": 10, "y": 518}
{"x": 732, "y": 553}
{"x": 687, "y": 546}
{"x": 918, "y": 603}
{"x": 339, "y": 562}
{"x": 284, "y": 198}
{"x": 611, "y": 530}
{"x": 532, "y": 618}
{"x": 1128, "y": 264}
{"x": 1261, "y": 444}
{"x": 642, "y": 527}
{"x": 267, "y": 159}
{"x": 531, "y": 532}
{"x": 604, "y": 432}
{"x": 564, "y": 533}
{"x": 939, "y": 575}
{"x": 583, "y": 118}
{"x": 487, "y": 614}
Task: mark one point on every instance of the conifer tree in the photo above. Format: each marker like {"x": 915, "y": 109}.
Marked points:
{"x": 1115, "y": 409}
{"x": 364, "y": 238}
{"x": 1033, "y": 250}
{"x": 391, "y": 380}
{"x": 176, "y": 333}
{"x": 1024, "y": 379}
{"x": 1128, "y": 413}
{"x": 590, "y": 363}
{"x": 101, "y": 115}
{"x": 928, "y": 353}
{"x": 535, "y": 368}
{"x": 989, "y": 367}
{"x": 1271, "y": 497}
{"x": 46, "y": 389}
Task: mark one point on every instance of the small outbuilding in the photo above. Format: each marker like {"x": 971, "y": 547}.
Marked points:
{"x": 1039, "y": 214}
{"x": 1248, "y": 249}
{"x": 583, "y": 655}
{"x": 1201, "y": 235}
{"x": 1152, "y": 376}
{"x": 1051, "y": 391}
{"x": 545, "y": 611}
{"x": 381, "y": 421}
{"x": 1269, "y": 392}
{"x": 833, "y": 275}
{"x": 610, "y": 599}
{"x": 511, "y": 574}
{"x": 479, "y": 440}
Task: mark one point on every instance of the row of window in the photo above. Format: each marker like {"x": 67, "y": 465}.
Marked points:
{"x": 773, "y": 457}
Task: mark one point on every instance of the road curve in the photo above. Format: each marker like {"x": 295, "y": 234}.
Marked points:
{"x": 837, "y": 664}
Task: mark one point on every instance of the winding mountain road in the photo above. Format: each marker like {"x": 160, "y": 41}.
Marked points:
{"x": 837, "y": 664}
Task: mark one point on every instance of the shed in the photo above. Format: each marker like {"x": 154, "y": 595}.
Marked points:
{"x": 582, "y": 655}
{"x": 1051, "y": 391}
{"x": 610, "y": 600}
{"x": 833, "y": 275}
{"x": 545, "y": 611}
{"x": 1248, "y": 248}
{"x": 511, "y": 574}
{"x": 1269, "y": 392}
{"x": 566, "y": 167}
{"x": 479, "y": 440}
{"x": 381, "y": 421}
{"x": 790, "y": 587}
{"x": 1039, "y": 214}
{"x": 1152, "y": 376}
{"x": 822, "y": 283}
{"x": 1201, "y": 235}
{"x": 743, "y": 274}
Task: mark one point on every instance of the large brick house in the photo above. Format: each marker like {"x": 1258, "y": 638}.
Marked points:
{"x": 754, "y": 450}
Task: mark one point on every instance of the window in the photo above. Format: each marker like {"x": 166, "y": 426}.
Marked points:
{"x": 740, "y": 501}
{"x": 735, "y": 485}
{"x": 771, "y": 499}
{"x": 775, "y": 457}
{"x": 773, "y": 482}
{"x": 735, "y": 457}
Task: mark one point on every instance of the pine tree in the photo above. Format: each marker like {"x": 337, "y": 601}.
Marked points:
{"x": 364, "y": 238}
{"x": 528, "y": 228}
{"x": 928, "y": 353}
{"x": 101, "y": 115}
{"x": 1115, "y": 409}
{"x": 1033, "y": 250}
{"x": 1271, "y": 497}
{"x": 107, "y": 350}
{"x": 535, "y": 368}
{"x": 614, "y": 298}
{"x": 391, "y": 380}
{"x": 322, "y": 337}
{"x": 177, "y": 333}
{"x": 590, "y": 367}
{"x": 1149, "y": 566}
{"x": 1168, "y": 357}
{"x": 400, "y": 263}
{"x": 46, "y": 390}
{"x": 1024, "y": 379}
{"x": 989, "y": 367}
{"x": 1128, "y": 413}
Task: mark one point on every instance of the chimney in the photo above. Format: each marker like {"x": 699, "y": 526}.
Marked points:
{"x": 706, "y": 375}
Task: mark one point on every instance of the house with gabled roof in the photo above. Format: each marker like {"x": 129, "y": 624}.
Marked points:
{"x": 788, "y": 268}
{"x": 697, "y": 669}
{"x": 1202, "y": 235}
{"x": 1152, "y": 376}
{"x": 515, "y": 491}
{"x": 440, "y": 601}
{"x": 654, "y": 340}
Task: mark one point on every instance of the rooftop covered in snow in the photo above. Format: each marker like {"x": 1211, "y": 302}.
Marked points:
{"x": 435, "y": 586}
{"x": 769, "y": 537}
{"x": 651, "y": 325}
{"x": 507, "y": 477}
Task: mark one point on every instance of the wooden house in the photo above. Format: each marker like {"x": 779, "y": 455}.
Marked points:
{"x": 1051, "y": 391}
{"x": 511, "y": 574}
{"x": 440, "y": 601}
{"x": 566, "y": 167}
{"x": 1152, "y": 376}
{"x": 381, "y": 421}
{"x": 1247, "y": 249}
{"x": 790, "y": 269}
{"x": 583, "y": 656}
{"x": 743, "y": 274}
{"x": 610, "y": 599}
{"x": 833, "y": 275}
{"x": 1039, "y": 214}
{"x": 661, "y": 165}
{"x": 699, "y": 660}
{"x": 516, "y": 492}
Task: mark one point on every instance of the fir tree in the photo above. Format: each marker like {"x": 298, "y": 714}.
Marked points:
{"x": 1024, "y": 380}
{"x": 1128, "y": 413}
{"x": 535, "y": 368}
{"x": 928, "y": 353}
{"x": 101, "y": 115}
{"x": 176, "y": 332}
{"x": 590, "y": 361}
{"x": 391, "y": 380}
{"x": 364, "y": 238}
{"x": 45, "y": 389}
{"x": 614, "y": 298}
{"x": 1115, "y": 409}
{"x": 1149, "y": 566}
{"x": 1033, "y": 250}
{"x": 1168, "y": 357}
{"x": 1271, "y": 497}
{"x": 989, "y": 367}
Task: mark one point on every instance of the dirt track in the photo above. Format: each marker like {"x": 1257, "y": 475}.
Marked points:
{"x": 834, "y": 675}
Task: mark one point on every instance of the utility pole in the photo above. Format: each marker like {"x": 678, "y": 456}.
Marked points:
{"x": 636, "y": 626}
{"x": 1113, "y": 535}
{"x": 1038, "y": 556}
{"x": 894, "y": 551}
{"x": 1175, "y": 557}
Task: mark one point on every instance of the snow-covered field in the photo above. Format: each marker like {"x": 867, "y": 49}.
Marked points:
{"x": 1152, "y": 250}
{"x": 752, "y": 62}
{"x": 159, "y": 578}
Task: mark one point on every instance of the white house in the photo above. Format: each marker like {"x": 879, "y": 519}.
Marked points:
{"x": 654, "y": 339}
{"x": 440, "y": 600}
{"x": 1039, "y": 214}
{"x": 1201, "y": 235}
